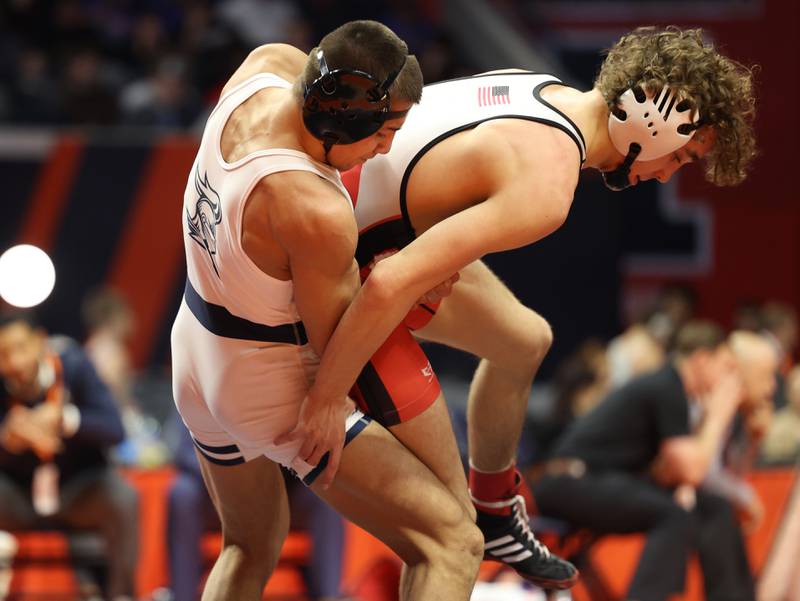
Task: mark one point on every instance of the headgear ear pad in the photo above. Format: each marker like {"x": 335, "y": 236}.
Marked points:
{"x": 659, "y": 123}
{"x": 346, "y": 105}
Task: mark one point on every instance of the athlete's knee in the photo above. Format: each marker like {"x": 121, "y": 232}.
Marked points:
{"x": 251, "y": 553}
{"x": 532, "y": 342}
{"x": 458, "y": 546}
{"x": 256, "y": 541}
{"x": 463, "y": 554}
{"x": 540, "y": 334}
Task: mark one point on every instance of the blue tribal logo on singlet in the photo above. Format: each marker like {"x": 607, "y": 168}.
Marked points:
{"x": 207, "y": 216}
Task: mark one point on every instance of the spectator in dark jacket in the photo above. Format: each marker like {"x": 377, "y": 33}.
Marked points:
{"x": 57, "y": 422}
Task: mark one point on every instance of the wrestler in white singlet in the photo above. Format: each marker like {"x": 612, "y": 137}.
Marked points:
{"x": 241, "y": 360}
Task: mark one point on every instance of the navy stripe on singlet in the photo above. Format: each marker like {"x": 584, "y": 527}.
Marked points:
{"x": 219, "y": 321}
{"x": 354, "y": 431}
{"x": 226, "y": 450}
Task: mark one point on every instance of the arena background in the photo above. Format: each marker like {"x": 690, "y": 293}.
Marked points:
{"x": 103, "y": 198}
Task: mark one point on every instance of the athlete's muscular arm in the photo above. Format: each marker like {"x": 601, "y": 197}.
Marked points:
{"x": 528, "y": 196}
{"x": 313, "y": 224}
{"x": 281, "y": 59}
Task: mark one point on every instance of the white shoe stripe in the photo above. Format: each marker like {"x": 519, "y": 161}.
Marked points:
{"x": 506, "y": 550}
{"x": 519, "y": 557}
{"x": 503, "y": 540}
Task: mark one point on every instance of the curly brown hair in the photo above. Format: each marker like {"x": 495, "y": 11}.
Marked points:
{"x": 720, "y": 88}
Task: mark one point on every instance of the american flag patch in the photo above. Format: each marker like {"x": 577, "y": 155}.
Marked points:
{"x": 491, "y": 95}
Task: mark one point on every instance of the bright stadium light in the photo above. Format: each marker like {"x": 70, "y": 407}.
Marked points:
{"x": 27, "y": 275}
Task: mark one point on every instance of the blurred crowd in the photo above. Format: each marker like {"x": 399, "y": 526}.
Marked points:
{"x": 597, "y": 368}
{"x": 160, "y": 63}
{"x": 72, "y": 413}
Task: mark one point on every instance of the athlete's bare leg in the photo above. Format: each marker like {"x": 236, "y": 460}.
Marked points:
{"x": 484, "y": 318}
{"x": 430, "y": 437}
{"x": 251, "y": 501}
{"x": 403, "y": 503}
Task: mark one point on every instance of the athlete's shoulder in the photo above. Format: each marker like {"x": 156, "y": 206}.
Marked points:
{"x": 311, "y": 220}
{"x": 305, "y": 205}
{"x": 283, "y": 60}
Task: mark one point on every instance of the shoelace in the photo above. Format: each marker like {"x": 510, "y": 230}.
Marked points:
{"x": 521, "y": 518}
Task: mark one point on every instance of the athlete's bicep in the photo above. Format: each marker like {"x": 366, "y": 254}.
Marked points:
{"x": 320, "y": 245}
{"x": 321, "y": 296}
{"x": 494, "y": 225}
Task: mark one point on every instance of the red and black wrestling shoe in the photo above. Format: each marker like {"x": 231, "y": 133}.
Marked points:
{"x": 510, "y": 540}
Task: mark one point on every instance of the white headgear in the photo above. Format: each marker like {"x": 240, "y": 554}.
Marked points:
{"x": 659, "y": 124}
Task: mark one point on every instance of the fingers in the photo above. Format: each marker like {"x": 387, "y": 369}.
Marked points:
{"x": 310, "y": 450}
{"x": 287, "y": 437}
{"x": 320, "y": 433}
{"x": 316, "y": 456}
{"x": 329, "y": 473}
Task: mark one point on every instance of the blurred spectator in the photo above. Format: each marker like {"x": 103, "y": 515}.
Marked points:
{"x": 634, "y": 352}
{"x": 57, "y": 423}
{"x": 747, "y": 316}
{"x": 780, "y": 326}
{"x": 163, "y": 63}
{"x": 580, "y": 382}
{"x": 757, "y": 364}
{"x": 407, "y": 21}
{"x": 191, "y": 514}
{"x": 632, "y": 465}
{"x": 264, "y": 21}
{"x": 109, "y": 323}
{"x": 438, "y": 59}
{"x": 165, "y": 99}
{"x": 87, "y": 97}
{"x": 211, "y": 48}
{"x": 34, "y": 93}
{"x": 782, "y": 442}
{"x": 148, "y": 43}
{"x": 675, "y": 305}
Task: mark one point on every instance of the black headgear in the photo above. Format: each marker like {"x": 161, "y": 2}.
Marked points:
{"x": 344, "y": 106}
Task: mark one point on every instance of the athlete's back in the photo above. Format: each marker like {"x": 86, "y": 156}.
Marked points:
{"x": 447, "y": 108}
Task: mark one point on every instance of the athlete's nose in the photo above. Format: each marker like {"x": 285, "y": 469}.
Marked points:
{"x": 385, "y": 145}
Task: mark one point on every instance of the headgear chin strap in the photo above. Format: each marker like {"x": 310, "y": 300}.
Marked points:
{"x": 344, "y": 106}
{"x": 659, "y": 123}
{"x": 619, "y": 178}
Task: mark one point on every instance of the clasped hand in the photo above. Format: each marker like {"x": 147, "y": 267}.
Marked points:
{"x": 37, "y": 429}
{"x": 321, "y": 429}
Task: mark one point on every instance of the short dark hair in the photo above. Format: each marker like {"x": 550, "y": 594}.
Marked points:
{"x": 698, "y": 334}
{"x": 26, "y": 316}
{"x": 371, "y": 47}
{"x": 775, "y": 315}
{"x": 101, "y": 305}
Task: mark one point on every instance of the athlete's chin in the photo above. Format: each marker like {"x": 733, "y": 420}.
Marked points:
{"x": 343, "y": 165}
